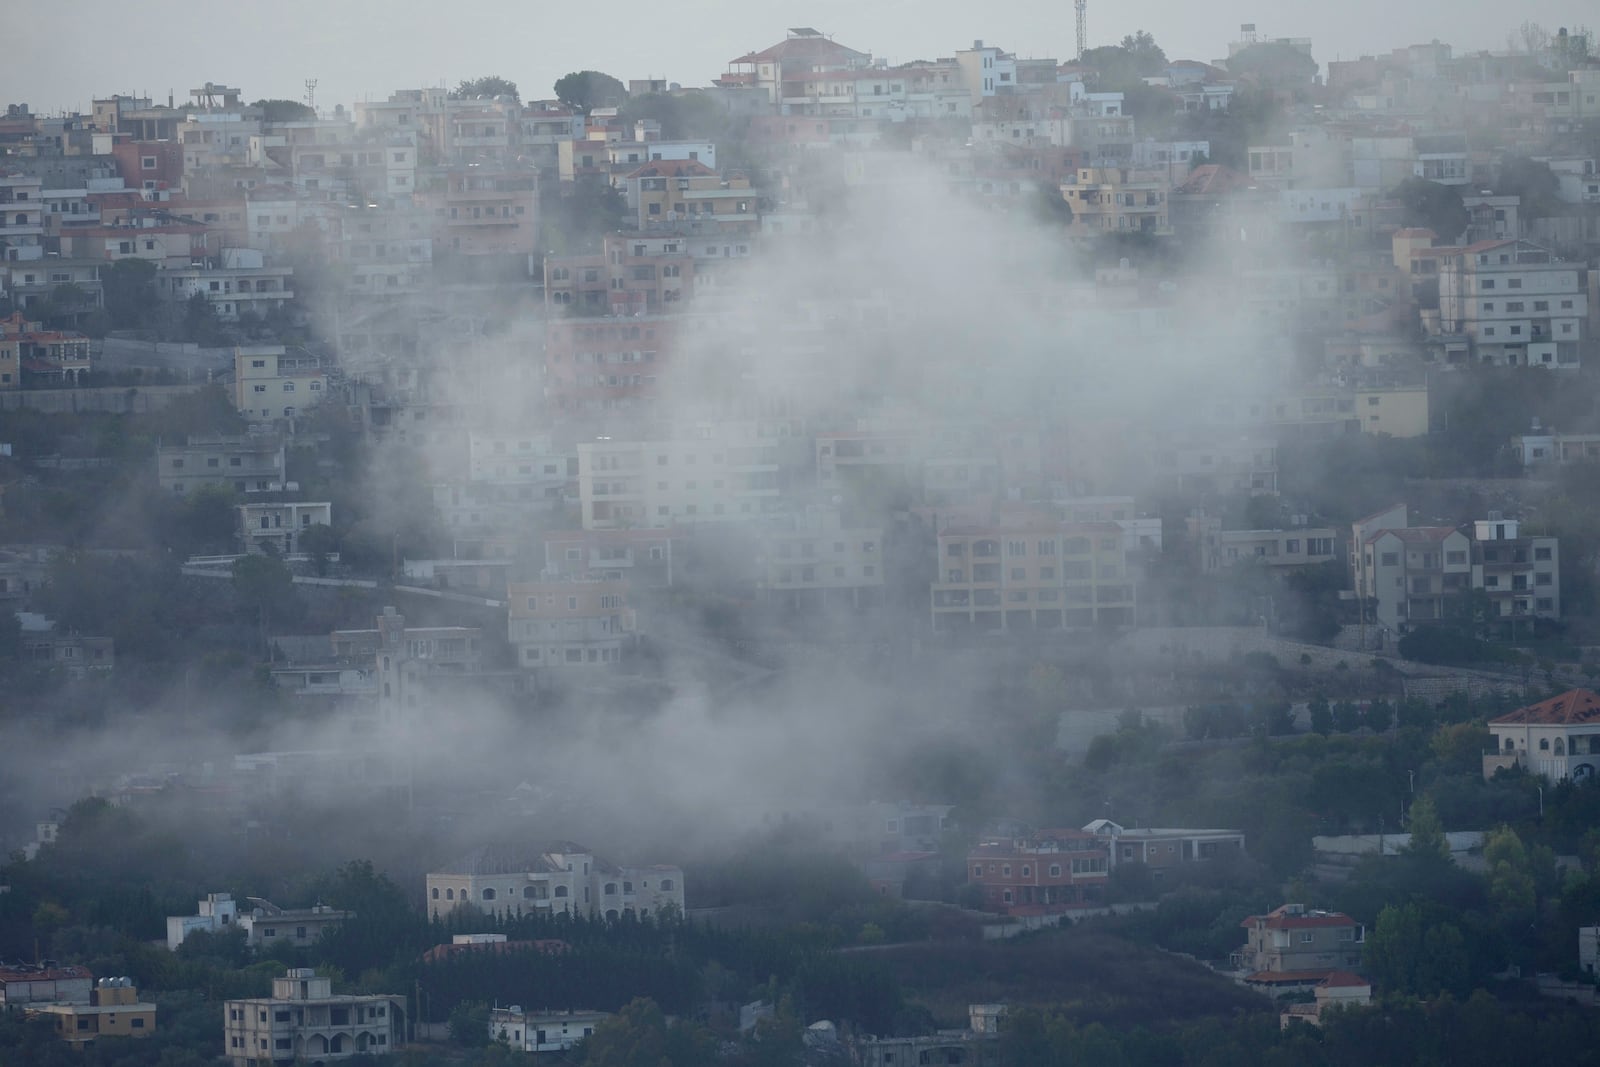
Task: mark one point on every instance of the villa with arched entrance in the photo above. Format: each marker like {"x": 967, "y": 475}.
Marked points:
{"x": 305, "y": 1022}
{"x": 1558, "y": 738}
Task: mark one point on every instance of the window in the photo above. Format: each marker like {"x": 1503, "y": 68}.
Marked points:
{"x": 488, "y": 894}
{"x": 1307, "y": 937}
{"x": 1055, "y": 870}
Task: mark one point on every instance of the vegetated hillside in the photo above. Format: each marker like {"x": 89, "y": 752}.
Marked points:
{"x": 1087, "y": 974}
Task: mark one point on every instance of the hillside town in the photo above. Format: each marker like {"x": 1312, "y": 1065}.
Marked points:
{"x": 994, "y": 558}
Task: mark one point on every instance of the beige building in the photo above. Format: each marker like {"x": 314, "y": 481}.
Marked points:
{"x": 305, "y": 1022}
{"x": 1118, "y": 200}
{"x": 1038, "y": 574}
{"x": 1341, "y": 989}
{"x": 271, "y": 383}
{"x": 267, "y": 925}
{"x": 567, "y": 878}
{"x": 687, "y": 194}
{"x": 114, "y": 1010}
{"x": 1161, "y": 849}
{"x": 542, "y": 1031}
{"x": 1295, "y": 939}
{"x": 568, "y": 625}
{"x": 1558, "y": 739}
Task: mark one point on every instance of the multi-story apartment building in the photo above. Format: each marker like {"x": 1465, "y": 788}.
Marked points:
{"x": 485, "y": 211}
{"x": 1218, "y": 465}
{"x": 569, "y": 625}
{"x": 601, "y": 364}
{"x": 723, "y": 476}
{"x": 266, "y": 924}
{"x": 565, "y": 878}
{"x": 1047, "y": 872}
{"x": 520, "y": 460}
{"x": 21, "y": 217}
{"x": 1119, "y": 200}
{"x": 1293, "y": 938}
{"x": 686, "y": 196}
{"x": 812, "y": 558}
{"x": 1520, "y": 574}
{"x": 1558, "y": 738}
{"x": 410, "y": 666}
{"x": 1411, "y": 574}
{"x": 248, "y": 464}
{"x": 1407, "y": 574}
{"x": 641, "y": 557}
{"x": 1516, "y": 304}
{"x": 1032, "y": 574}
{"x": 1299, "y": 546}
{"x": 271, "y": 383}
{"x": 237, "y": 282}
{"x": 633, "y": 274}
{"x": 304, "y": 1021}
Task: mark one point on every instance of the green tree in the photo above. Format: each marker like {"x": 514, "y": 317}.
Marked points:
{"x": 1534, "y": 182}
{"x": 1432, "y": 206}
{"x": 635, "y": 1037}
{"x": 1380, "y": 715}
{"x": 584, "y": 90}
{"x": 265, "y": 587}
{"x": 128, "y": 288}
{"x": 1274, "y": 63}
{"x": 1346, "y": 717}
{"x": 1412, "y": 953}
{"x": 469, "y": 1024}
{"x": 207, "y": 521}
{"x": 1510, "y": 871}
{"x": 285, "y": 111}
{"x": 490, "y": 85}
{"x": 1427, "y": 832}
{"x": 319, "y": 542}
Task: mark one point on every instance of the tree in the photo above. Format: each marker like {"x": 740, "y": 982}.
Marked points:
{"x": 1346, "y": 717}
{"x": 200, "y": 323}
{"x": 285, "y": 111}
{"x": 1412, "y": 953}
{"x": 490, "y": 85}
{"x": 469, "y": 1024}
{"x": 1534, "y": 182}
{"x": 1274, "y": 63}
{"x": 585, "y": 90}
{"x": 1380, "y": 714}
{"x": 319, "y": 541}
{"x": 1427, "y": 833}
{"x": 1135, "y": 57}
{"x": 128, "y": 288}
{"x": 264, "y": 585}
{"x": 1432, "y": 206}
{"x": 635, "y": 1037}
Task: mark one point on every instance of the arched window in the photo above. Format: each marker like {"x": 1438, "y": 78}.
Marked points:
{"x": 666, "y": 885}
{"x": 1510, "y": 744}
{"x": 435, "y": 892}
{"x": 488, "y": 894}
{"x": 561, "y": 890}
{"x": 449, "y": 894}
{"x": 1561, "y": 746}
{"x": 611, "y": 915}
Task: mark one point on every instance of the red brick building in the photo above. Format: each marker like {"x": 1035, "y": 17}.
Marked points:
{"x": 1044, "y": 873}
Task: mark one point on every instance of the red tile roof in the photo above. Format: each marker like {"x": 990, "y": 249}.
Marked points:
{"x": 1290, "y": 977}
{"x": 673, "y": 168}
{"x": 1343, "y": 980}
{"x": 1575, "y": 706}
{"x": 1279, "y": 918}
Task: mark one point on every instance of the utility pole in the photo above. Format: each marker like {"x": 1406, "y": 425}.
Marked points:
{"x": 1082, "y": 7}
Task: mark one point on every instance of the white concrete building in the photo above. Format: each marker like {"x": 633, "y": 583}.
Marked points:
{"x": 566, "y": 878}
{"x": 269, "y": 382}
{"x": 266, "y": 924}
{"x": 542, "y": 1031}
{"x": 719, "y": 477}
{"x": 987, "y": 70}
{"x": 280, "y": 523}
{"x": 566, "y": 625}
{"x": 1558, "y": 738}
{"x": 1517, "y": 304}
{"x": 217, "y": 912}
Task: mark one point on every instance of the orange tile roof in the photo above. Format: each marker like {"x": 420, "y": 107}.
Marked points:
{"x": 1574, "y": 707}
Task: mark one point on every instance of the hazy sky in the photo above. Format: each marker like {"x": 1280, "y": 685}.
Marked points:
{"x": 68, "y": 53}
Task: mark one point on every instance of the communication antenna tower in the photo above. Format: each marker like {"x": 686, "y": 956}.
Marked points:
{"x": 1083, "y": 9}
{"x": 311, "y": 93}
